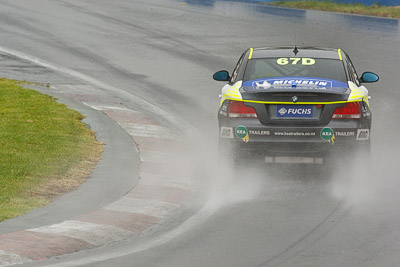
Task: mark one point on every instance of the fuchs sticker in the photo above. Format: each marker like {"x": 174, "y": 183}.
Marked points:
{"x": 327, "y": 134}
{"x": 226, "y": 132}
{"x": 362, "y": 134}
{"x": 294, "y": 111}
{"x": 282, "y": 111}
{"x": 242, "y": 133}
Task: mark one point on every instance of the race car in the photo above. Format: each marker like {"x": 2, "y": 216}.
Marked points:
{"x": 294, "y": 105}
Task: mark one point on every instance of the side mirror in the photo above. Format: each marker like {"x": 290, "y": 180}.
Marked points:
{"x": 369, "y": 77}
{"x": 222, "y": 76}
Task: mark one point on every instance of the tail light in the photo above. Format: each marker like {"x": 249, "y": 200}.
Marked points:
{"x": 237, "y": 109}
{"x": 352, "y": 110}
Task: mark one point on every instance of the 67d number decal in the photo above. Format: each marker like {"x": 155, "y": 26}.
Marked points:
{"x": 296, "y": 60}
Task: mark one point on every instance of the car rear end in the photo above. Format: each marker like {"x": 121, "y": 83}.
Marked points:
{"x": 302, "y": 105}
{"x": 294, "y": 133}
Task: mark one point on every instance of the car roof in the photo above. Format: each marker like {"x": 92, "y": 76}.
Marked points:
{"x": 303, "y": 51}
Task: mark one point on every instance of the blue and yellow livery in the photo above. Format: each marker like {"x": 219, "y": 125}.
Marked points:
{"x": 299, "y": 103}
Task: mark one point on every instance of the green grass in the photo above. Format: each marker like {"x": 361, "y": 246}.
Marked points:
{"x": 45, "y": 149}
{"x": 374, "y": 10}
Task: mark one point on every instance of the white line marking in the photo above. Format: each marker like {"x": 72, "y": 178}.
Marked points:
{"x": 150, "y": 207}
{"x": 146, "y": 105}
{"x": 147, "y": 130}
{"x": 96, "y": 234}
{"x": 101, "y": 108}
{"x": 154, "y": 156}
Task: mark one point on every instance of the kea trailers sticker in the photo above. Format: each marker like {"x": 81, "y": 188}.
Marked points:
{"x": 242, "y": 133}
{"x": 345, "y": 133}
{"x": 259, "y": 132}
{"x": 327, "y": 134}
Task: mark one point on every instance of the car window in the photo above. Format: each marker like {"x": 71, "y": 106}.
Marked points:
{"x": 236, "y": 70}
{"x": 352, "y": 72}
{"x": 295, "y": 67}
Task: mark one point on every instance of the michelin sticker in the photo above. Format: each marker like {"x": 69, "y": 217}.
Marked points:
{"x": 226, "y": 132}
{"x": 327, "y": 134}
{"x": 295, "y": 82}
{"x": 277, "y": 83}
{"x": 262, "y": 85}
{"x": 362, "y": 134}
{"x": 242, "y": 133}
{"x": 311, "y": 82}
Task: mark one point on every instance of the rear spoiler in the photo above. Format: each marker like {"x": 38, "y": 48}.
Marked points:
{"x": 296, "y": 89}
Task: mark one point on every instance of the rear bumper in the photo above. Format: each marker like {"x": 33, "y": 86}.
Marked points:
{"x": 301, "y": 141}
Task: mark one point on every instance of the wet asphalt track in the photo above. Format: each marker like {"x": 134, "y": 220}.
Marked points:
{"x": 166, "y": 53}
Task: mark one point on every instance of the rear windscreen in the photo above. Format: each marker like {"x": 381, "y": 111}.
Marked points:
{"x": 259, "y": 68}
